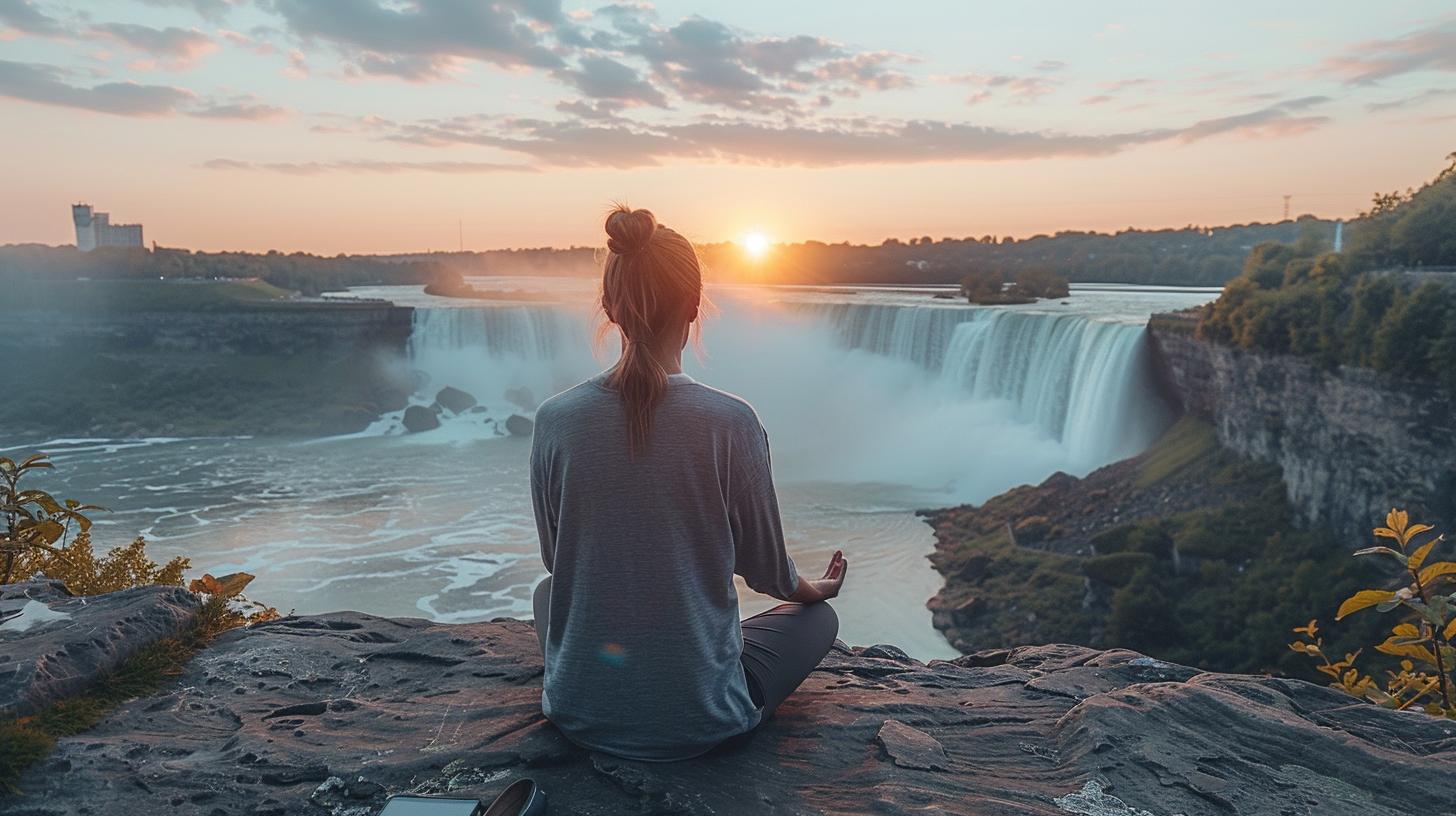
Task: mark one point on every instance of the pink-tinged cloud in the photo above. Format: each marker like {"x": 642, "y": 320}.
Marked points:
{"x": 315, "y": 168}
{"x": 622, "y": 143}
{"x": 1428, "y": 49}
{"x": 178, "y": 47}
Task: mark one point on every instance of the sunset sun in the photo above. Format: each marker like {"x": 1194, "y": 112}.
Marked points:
{"x": 755, "y": 244}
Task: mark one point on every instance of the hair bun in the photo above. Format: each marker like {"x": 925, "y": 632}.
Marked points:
{"x": 629, "y": 231}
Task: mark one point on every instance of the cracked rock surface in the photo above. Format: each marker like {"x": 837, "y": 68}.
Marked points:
{"x": 54, "y": 644}
{"x": 328, "y": 714}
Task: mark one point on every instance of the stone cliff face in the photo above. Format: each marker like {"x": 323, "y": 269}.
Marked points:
{"x": 328, "y": 714}
{"x": 1352, "y": 443}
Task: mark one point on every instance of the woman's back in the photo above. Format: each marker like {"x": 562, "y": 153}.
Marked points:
{"x": 644, "y": 642}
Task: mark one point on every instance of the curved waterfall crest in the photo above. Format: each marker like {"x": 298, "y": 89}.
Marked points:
{"x": 1081, "y": 383}
{"x": 1086, "y": 382}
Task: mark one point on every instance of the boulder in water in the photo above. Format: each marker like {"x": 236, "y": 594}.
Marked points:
{"x": 454, "y": 400}
{"x": 419, "y": 418}
{"x": 522, "y": 398}
{"x": 517, "y": 425}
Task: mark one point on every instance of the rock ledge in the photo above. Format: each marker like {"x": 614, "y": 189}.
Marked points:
{"x": 328, "y": 714}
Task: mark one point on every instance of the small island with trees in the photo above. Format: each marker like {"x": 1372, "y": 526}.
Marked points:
{"x": 987, "y": 287}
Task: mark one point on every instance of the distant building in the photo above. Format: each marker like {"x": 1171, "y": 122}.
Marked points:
{"x": 94, "y": 229}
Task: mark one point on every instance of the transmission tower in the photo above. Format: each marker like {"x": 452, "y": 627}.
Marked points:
{"x": 1286, "y": 206}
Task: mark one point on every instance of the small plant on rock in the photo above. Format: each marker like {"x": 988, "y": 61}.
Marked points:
{"x": 1423, "y": 641}
{"x": 34, "y": 519}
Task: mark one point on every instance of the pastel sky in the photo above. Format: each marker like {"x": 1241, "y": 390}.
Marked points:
{"x": 405, "y": 125}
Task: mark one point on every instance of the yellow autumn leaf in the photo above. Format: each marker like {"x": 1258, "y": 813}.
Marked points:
{"x": 1308, "y": 629}
{"x": 1386, "y": 532}
{"x": 1416, "y": 529}
{"x": 1436, "y": 570}
{"x": 1419, "y": 556}
{"x": 1405, "y": 630}
{"x": 1397, "y": 520}
{"x": 1412, "y": 650}
{"x": 1362, "y": 599}
{"x": 1450, "y": 632}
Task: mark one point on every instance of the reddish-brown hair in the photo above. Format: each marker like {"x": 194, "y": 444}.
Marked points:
{"x": 651, "y": 283}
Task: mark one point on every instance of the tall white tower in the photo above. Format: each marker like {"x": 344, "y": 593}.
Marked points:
{"x": 85, "y": 227}
{"x": 94, "y": 229}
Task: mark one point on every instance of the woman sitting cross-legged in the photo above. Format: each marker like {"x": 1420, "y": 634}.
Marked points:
{"x": 652, "y": 490}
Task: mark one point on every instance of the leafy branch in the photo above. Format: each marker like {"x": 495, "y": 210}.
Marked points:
{"x": 1423, "y": 641}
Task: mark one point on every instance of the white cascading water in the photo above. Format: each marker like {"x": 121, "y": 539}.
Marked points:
{"x": 953, "y": 399}
{"x": 1083, "y": 381}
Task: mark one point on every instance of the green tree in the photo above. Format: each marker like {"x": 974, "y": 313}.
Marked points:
{"x": 1405, "y": 337}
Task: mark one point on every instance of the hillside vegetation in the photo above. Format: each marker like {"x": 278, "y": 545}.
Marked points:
{"x": 1187, "y": 553}
{"x": 1382, "y": 303}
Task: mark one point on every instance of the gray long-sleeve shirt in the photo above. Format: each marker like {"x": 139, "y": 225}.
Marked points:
{"x": 643, "y": 644}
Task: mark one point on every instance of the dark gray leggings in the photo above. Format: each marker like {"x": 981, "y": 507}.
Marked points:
{"x": 780, "y": 646}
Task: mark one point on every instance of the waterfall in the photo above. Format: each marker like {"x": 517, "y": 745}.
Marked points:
{"x": 1085, "y": 382}
{"x": 489, "y": 349}
{"x": 963, "y": 400}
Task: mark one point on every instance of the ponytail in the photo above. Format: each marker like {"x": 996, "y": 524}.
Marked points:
{"x": 650, "y": 280}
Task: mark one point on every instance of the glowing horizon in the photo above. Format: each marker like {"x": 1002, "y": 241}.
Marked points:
{"x": 373, "y": 127}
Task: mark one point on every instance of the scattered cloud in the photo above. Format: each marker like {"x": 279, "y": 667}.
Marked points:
{"x": 46, "y": 85}
{"x": 49, "y": 85}
{"x": 1417, "y": 100}
{"x": 251, "y": 43}
{"x": 423, "y": 40}
{"x": 211, "y": 10}
{"x": 600, "y": 77}
{"x": 1428, "y": 49}
{"x": 591, "y": 138}
{"x": 1051, "y": 65}
{"x": 1019, "y": 88}
{"x": 179, "y": 47}
{"x": 245, "y": 108}
{"x": 24, "y": 16}
{"x": 315, "y": 168}
{"x": 1283, "y": 119}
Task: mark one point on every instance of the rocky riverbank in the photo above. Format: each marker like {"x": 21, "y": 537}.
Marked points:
{"x": 329, "y": 714}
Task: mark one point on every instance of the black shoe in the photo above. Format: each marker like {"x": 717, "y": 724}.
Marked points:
{"x": 521, "y": 798}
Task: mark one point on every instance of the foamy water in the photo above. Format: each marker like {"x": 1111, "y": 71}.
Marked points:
{"x": 876, "y": 403}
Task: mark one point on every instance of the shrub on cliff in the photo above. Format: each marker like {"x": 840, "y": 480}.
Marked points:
{"x": 1424, "y": 642}
{"x": 37, "y": 541}
{"x": 1337, "y": 309}
{"x": 1117, "y": 569}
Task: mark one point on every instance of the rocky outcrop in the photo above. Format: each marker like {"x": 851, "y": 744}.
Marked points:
{"x": 54, "y": 644}
{"x": 328, "y": 714}
{"x": 1352, "y": 443}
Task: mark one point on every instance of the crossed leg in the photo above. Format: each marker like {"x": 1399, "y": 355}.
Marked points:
{"x": 780, "y": 646}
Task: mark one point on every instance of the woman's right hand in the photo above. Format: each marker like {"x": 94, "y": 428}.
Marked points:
{"x": 822, "y": 589}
